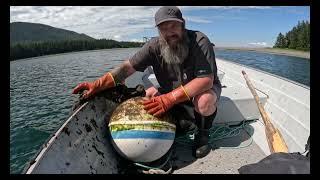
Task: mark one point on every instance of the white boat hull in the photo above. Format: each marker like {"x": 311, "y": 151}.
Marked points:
{"x": 82, "y": 144}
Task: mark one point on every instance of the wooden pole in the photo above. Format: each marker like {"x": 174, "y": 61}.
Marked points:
{"x": 275, "y": 140}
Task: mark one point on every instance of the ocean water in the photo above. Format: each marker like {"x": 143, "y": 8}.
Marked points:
{"x": 41, "y": 99}
{"x": 293, "y": 68}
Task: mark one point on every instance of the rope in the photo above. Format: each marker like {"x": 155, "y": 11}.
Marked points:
{"x": 218, "y": 132}
{"x": 156, "y": 170}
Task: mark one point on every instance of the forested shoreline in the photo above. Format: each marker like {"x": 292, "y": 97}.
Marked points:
{"x": 298, "y": 38}
{"x": 23, "y": 50}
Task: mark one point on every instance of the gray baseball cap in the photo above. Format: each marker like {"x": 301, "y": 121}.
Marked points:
{"x": 168, "y": 13}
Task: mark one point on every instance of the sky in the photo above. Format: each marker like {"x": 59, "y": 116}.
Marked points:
{"x": 226, "y": 26}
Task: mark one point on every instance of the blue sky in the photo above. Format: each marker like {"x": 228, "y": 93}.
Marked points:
{"x": 237, "y": 26}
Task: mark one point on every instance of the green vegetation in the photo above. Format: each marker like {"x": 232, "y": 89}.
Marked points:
{"x": 33, "y": 49}
{"x": 32, "y": 40}
{"x": 30, "y": 32}
{"x": 156, "y": 126}
{"x": 298, "y": 38}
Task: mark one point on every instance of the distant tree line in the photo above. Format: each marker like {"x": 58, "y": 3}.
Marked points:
{"x": 297, "y": 38}
{"x": 33, "y": 49}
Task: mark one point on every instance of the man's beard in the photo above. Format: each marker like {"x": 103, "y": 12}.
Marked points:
{"x": 174, "y": 54}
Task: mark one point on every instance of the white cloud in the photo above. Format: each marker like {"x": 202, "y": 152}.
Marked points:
{"x": 196, "y": 19}
{"x": 97, "y": 22}
{"x": 104, "y": 21}
{"x": 186, "y": 8}
{"x": 116, "y": 37}
{"x": 258, "y": 44}
{"x": 136, "y": 40}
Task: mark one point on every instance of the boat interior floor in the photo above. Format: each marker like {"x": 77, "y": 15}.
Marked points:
{"x": 226, "y": 157}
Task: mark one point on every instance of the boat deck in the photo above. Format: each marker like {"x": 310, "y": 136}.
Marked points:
{"x": 229, "y": 156}
{"x": 226, "y": 157}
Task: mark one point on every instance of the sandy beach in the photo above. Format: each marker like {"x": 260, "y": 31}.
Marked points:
{"x": 288, "y": 52}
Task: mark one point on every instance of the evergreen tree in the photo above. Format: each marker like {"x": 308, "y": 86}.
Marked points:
{"x": 33, "y": 49}
{"x": 281, "y": 42}
{"x": 297, "y": 38}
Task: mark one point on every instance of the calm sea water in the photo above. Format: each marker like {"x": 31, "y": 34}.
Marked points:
{"x": 293, "y": 68}
{"x": 41, "y": 99}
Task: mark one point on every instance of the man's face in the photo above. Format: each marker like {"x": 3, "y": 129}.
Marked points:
{"x": 173, "y": 42}
{"x": 171, "y": 31}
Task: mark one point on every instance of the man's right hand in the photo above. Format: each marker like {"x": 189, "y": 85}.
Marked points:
{"x": 96, "y": 86}
{"x": 85, "y": 86}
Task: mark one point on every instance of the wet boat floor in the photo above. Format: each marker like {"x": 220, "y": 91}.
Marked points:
{"x": 226, "y": 157}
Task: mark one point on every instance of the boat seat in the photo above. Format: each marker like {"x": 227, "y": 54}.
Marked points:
{"x": 237, "y": 103}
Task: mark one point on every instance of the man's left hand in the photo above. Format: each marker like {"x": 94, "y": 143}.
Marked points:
{"x": 158, "y": 105}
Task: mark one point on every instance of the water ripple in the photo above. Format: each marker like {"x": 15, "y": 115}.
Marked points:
{"x": 293, "y": 68}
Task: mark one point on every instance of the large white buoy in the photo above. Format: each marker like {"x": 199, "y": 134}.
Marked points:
{"x": 139, "y": 136}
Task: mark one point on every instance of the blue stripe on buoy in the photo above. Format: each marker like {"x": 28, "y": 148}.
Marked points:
{"x": 134, "y": 134}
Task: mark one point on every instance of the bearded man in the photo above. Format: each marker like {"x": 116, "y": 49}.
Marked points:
{"x": 184, "y": 64}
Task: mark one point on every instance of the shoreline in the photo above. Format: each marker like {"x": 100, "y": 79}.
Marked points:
{"x": 287, "y": 52}
{"x": 75, "y": 52}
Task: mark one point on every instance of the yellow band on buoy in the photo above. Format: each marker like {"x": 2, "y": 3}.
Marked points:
{"x": 114, "y": 82}
{"x": 186, "y": 92}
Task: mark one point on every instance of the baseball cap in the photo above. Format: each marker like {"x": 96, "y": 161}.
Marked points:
{"x": 168, "y": 13}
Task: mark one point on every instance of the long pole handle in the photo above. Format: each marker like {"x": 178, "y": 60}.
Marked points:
{"x": 275, "y": 140}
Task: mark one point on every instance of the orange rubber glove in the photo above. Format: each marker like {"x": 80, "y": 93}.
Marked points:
{"x": 158, "y": 105}
{"x": 104, "y": 82}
